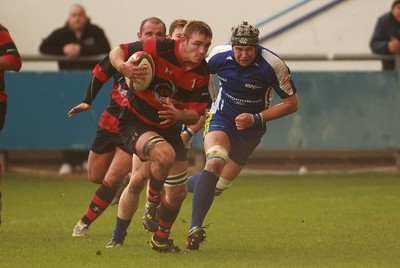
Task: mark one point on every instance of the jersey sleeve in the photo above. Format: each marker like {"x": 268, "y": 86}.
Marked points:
{"x": 131, "y": 48}
{"x": 8, "y": 50}
{"x": 284, "y": 85}
{"x": 215, "y": 59}
{"x": 285, "y": 80}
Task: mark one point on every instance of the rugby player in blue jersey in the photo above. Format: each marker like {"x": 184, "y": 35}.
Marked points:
{"x": 249, "y": 75}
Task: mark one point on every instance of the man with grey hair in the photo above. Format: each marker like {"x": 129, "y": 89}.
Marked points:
{"x": 77, "y": 38}
{"x": 249, "y": 75}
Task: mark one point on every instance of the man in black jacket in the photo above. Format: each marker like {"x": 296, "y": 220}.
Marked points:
{"x": 78, "y": 37}
{"x": 386, "y": 37}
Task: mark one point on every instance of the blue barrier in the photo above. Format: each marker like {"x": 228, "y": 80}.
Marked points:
{"x": 38, "y": 103}
{"x": 338, "y": 111}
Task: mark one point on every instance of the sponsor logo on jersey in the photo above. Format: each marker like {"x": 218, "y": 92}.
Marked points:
{"x": 168, "y": 71}
{"x": 251, "y": 86}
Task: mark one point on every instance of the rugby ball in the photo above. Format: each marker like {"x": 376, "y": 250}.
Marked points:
{"x": 142, "y": 58}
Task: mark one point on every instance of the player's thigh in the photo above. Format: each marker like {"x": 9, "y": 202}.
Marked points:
{"x": 216, "y": 138}
{"x": 98, "y": 165}
{"x": 122, "y": 161}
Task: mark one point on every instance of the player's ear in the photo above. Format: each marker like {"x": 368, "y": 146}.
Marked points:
{"x": 183, "y": 39}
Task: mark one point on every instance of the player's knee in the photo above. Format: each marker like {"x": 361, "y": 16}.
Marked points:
{"x": 95, "y": 177}
{"x": 216, "y": 158}
{"x": 159, "y": 151}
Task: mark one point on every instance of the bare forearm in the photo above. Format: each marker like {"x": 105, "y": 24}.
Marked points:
{"x": 288, "y": 106}
{"x": 117, "y": 57}
{"x": 189, "y": 117}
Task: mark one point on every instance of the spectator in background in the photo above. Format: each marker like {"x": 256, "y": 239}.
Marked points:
{"x": 386, "y": 37}
{"x": 79, "y": 37}
{"x": 10, "y": 60}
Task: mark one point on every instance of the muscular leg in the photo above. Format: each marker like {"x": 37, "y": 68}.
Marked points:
{"x": 129, "y": 200}
{"x": 118, "y": 169}
{"x": 98, "y": 165}
{"x": 175, "y": 193}
{"x": 204, "y": 191}
{"x": 230, "y": 172}
{"x": 161, "y": 155}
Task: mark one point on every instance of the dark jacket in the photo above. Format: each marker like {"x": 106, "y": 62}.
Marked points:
{"x": 93, "y": 42}
{"x": 385, "y": 28}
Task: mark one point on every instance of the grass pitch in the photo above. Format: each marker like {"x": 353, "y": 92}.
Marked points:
{"x": 348, "y": 220}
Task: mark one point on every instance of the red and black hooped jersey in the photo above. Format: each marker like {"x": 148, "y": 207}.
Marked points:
{"x": 103, "y": 72}
{"x": 188, "y": 89}
{"x": 9, "y": 51}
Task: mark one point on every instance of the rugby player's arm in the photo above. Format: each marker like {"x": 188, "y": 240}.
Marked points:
{"x": 288, "y": 106}
{"x": 172, "y": 114}
{"x": 118, "y": 59}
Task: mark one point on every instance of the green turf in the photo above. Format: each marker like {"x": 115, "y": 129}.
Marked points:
{"x": 350, "y": 220}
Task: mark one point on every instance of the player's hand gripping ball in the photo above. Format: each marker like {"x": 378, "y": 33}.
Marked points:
{"x": 142, "y": 58}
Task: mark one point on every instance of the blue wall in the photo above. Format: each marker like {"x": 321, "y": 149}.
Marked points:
{"x": 341, "y": 111}
{"x": 38, "y": 103}
{"x": 338, "y": 111}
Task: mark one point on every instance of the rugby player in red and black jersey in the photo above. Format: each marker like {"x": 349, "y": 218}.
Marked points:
{"x": 109, "y": 162}
{"x": 10, "y": 60}
{"x": 178, "y": 93}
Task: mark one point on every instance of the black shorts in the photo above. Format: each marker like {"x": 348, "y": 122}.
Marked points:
{"x": 106, "y": 141}
{"x": 3, "y": 112}
{"x": 132, "y": 127}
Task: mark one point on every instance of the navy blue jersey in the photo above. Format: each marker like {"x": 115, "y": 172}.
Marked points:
{"x": 250, "y": 89}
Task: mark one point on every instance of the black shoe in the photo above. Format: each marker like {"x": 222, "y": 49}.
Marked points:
{"x": 150, "y": 217}
{"x": 167, "y": 247}
{"x": 114, "y": 242}
{"x": 195, "y": 237}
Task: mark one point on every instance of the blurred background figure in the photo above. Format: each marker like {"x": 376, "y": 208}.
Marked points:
{"x": 10, "y": 60}
{"x": 386, "y": 36}
{"x": 77, "y": 38}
